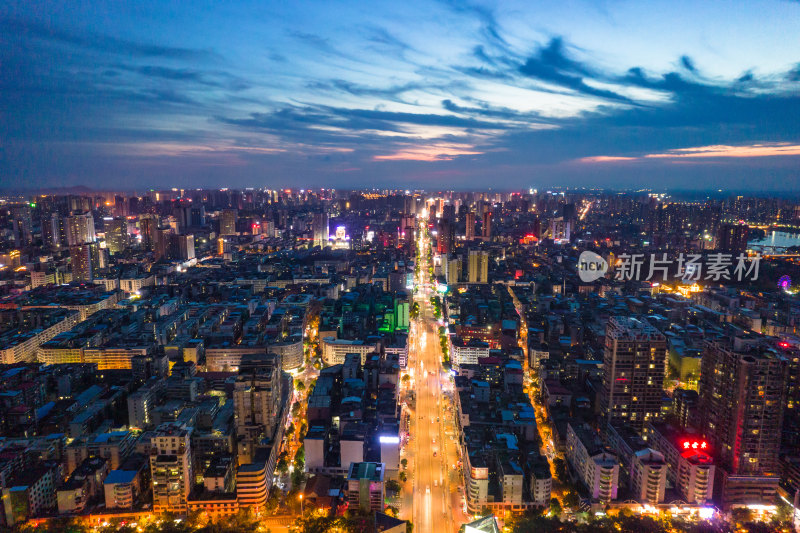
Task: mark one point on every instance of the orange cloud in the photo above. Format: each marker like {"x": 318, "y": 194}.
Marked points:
{"x": 434, "y": 152}
{"x": 721, "y": 150}
{"x": 712, "y": 151}
{"x": 605, "y": 159}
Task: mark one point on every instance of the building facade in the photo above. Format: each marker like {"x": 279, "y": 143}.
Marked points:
{"x": 634, "y": 365}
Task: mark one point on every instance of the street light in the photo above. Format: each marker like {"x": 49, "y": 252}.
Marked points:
{"x": 301, "y": 505}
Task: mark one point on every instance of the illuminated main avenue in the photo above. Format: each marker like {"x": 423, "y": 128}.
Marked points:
{"x": 437, "y": 485}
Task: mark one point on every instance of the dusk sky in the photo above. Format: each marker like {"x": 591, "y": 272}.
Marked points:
{"x": 439, "y": 95}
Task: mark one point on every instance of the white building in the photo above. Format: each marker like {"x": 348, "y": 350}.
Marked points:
{"x": 79, "y": 229}
{"x": 467, "y": 353}
{"x": 291, "y": 353}
{"x": 314, "y": 444}
{"x": 541, "y": 483}
{"x": 334, "y": 350}
{"x": 648, "y": 476}
{"x": 390, "y": 454}
{"x": 352, "y": 450}
{"x": 252, "y": 485}
{"x": 477, "y": 473}
{"x": 115, "y": 357}
{"x": 597, "y": 467}
{"x": 121, "y": 489}
{"x": 23, "y": 347}
{"x": 478, "y": 266}
{"x": 511, "y": 481}
{"x": 140, "y": 405}
{"x": 171, "y": 468}
{"x": 691, "y": 469}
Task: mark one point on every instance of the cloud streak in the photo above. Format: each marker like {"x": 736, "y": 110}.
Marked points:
{"x": 704, "y": 152}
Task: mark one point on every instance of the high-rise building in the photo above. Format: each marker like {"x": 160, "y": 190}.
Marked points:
{"x": 227, "y": 221}
{"x": 79, "y": 229}
{"x": 469, "y": 232}
{"x": 449, "y": 213}
{"x": 257, "y": 399}
{"x": 649, "y": 476}
{"x": 320, "y": 229}
{"x": 181, "y": 247}
{"x": 22, "y": 225}
{"x": 182, "y": 211}
{"x": 120, "y": 206}
{"x": 161, "y": 242}
{"x": 597, "y": 466}
{"x": 198, "y": 216}
{"x": 634, "y": 363}
{"x": 117, "y": 235}
{"x": 81, "y": 260}
{"x": 732, "y": 238}
{"x": 268, "y": 228}
{"x": 171, "y": 468}
{"x": 487, "y": 226}
{"x": 691, "y": 468}
{"x": 478, "y": 266}
{"x": 52, "y": 230}
{"x": 446, "y": 240}
{"x": 561, "y": 229}
{"x": 148, "y": 224}
{"x": 569, "y": 212}
{"x": 451, "y": 266}
{"x": 99, "y": 256}
{"x": 742, "y": 393}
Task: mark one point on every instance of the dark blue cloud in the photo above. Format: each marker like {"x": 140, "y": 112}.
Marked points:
{"x": 551, "y": 63}
{"x": 671, "y": 82}
{"x": 102, "y": 43}
{"x": 309, "y": 118}
{"x": 688, "y": 64}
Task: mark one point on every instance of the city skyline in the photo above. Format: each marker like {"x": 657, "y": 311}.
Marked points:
{"x": 295, "y": 361}
{"x": 439, "y": 95}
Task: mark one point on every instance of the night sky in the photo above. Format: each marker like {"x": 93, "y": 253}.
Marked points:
{"x": 131, "y": 95}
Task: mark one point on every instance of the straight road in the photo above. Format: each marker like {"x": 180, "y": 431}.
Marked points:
{"x": 437, "y": 496}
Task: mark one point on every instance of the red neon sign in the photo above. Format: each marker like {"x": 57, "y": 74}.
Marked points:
{"x": 694, "y": 445}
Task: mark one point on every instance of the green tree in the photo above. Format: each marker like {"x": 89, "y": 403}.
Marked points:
{"x": 393, "y": 486}
{"x": 555, "y": 507}
{"x": 561, "y": 469}
{"x": 273, "y": 501}
{"x": 282, "y": 466}
{"x": 572, "y": 500}
{"x": 298, "y": 476}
